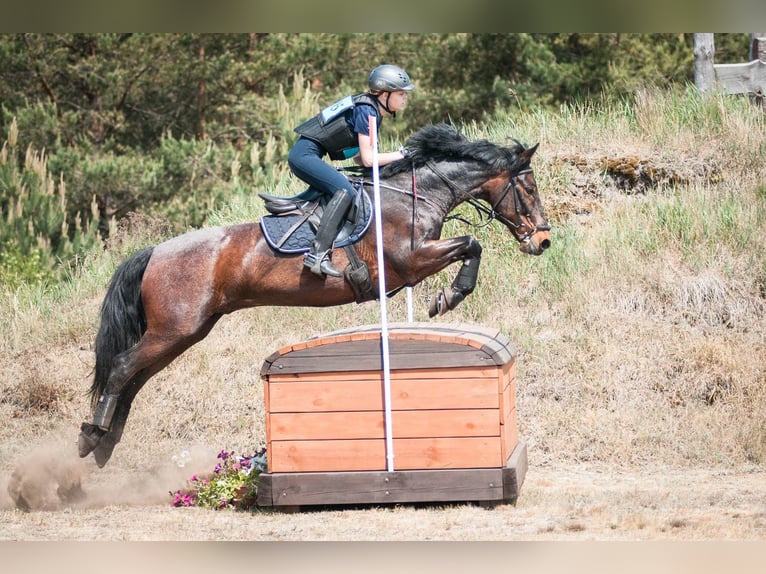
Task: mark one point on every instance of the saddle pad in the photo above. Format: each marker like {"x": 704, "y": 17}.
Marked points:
{"x": 275, "y": 227}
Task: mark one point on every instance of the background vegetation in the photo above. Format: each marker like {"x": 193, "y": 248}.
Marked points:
{"x": 641, "y": 332}
{"x": 170, "y": 125}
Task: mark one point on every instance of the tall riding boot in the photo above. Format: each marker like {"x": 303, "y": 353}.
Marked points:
{"x": 318, "y": 260}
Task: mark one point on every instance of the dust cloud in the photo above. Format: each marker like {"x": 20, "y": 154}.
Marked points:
{"x": 51, "y": 477}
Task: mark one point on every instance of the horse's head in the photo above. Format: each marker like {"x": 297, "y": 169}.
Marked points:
{"x": 501, "y": 176}
{"x": 516, "y": 203}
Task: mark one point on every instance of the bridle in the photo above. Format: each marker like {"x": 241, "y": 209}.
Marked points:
{"x": 491, "y": 212}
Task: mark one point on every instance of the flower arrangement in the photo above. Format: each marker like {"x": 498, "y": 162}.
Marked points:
{"x": 232, "y": 484}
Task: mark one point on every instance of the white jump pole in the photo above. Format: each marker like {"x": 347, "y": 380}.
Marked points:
{"x": 409, "y": 305}
{"x": 382, "y": 292}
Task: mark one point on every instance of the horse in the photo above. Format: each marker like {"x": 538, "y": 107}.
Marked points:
{"x": 167, "y": 297}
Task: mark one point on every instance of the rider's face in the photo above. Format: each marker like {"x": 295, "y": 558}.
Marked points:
{"x": 397, "y": 100}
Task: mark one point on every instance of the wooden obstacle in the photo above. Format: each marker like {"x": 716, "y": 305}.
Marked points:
{"x": 453, "y": 407}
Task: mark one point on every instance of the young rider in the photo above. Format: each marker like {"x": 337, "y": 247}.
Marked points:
{"x": 342, "y": 131}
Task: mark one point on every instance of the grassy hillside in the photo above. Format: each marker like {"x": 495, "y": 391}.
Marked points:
{"x": 641, "y": 332}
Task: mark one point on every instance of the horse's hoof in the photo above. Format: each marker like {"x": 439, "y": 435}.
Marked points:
{"x": 103, "y": 451}
{"x": 439, "y": 304}
{"x": 435, "y": 305}
{"x": 444, "y": 301}
{"x": 90, "y": 435}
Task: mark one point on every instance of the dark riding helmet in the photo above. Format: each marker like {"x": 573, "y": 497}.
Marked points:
{"x": 389, "y": 78}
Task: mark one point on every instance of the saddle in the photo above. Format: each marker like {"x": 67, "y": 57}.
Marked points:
{"x": 291, "y": 228}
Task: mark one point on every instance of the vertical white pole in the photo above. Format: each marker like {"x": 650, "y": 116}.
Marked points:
{"x": 382, "y": 292}
{"x": 409, "y": 305}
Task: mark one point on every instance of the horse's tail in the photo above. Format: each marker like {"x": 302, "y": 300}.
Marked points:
{"x": 123, "y": 320}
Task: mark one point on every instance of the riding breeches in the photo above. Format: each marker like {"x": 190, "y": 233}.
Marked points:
{"x": 305, "y": 161}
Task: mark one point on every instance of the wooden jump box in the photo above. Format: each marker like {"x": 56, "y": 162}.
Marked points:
{"x": 453, "y": 416}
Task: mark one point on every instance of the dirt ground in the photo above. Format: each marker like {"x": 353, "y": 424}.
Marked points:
{"x": 578, "y": 502}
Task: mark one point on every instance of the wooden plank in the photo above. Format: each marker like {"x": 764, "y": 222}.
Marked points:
{"x": 370, "y": 424}
{"x": 307, "y": 397}
{"x": 401, "y": 486}
{"x": 514, "y": 473}
{"x": 747, "y": 78}
{"x": 327, "y": 456}
{"x": 508, "y": 371}
{"x": 507, "y": 411}
{"x": 267, "y": 405}
{"x": 265, "y": 496}
{"x": 509, "y": 433}
{"x": 410, "y": 345}
{"x": 366, "y": 356}
{"x": 336, "y": 396}
{"x": 369, "y": 454}
{"x": 445, "y": 423}
{"x": 509, "y": 399}
{"x": 440, "y": 453}
{"x": 434, "y": 373}
{"x": 307, "y": 489}
{"x": 326, "y": 426}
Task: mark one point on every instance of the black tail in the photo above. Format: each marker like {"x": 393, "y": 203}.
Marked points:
{"x": 123, "y": 320}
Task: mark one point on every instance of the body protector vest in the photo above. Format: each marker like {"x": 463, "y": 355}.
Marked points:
{"x": 329, "y": 127}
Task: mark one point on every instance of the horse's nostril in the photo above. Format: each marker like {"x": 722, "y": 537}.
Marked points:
{"x": 546, "y": 243}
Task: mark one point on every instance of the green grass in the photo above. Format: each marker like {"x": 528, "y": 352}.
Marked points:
{"x": 640, "y": 330}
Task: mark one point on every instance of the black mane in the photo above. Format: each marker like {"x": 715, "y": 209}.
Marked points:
{"x": 441, "y": 142}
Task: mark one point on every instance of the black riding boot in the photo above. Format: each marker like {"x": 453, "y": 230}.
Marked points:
{"x": 318, "y": 260}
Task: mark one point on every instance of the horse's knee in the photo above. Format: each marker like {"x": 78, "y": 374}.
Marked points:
{"x": 474, "y": 248}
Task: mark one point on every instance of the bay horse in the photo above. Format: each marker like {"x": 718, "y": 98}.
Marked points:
{"x": 165, "y": 298}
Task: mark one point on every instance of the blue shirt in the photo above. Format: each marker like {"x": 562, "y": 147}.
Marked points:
{"x": 358, "y": 121}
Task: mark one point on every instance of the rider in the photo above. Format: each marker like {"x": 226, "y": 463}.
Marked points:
{"x": 342, "y": 131}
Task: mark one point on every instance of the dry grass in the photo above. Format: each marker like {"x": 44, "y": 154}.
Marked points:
{"x": 641, "y": 337}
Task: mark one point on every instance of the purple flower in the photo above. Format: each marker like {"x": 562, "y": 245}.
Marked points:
{"x": 183, "y": 499}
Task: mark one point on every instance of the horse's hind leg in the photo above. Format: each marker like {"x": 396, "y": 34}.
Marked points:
{"x": 102, "y": 451}
{"x": 125, "y": 367}
{"x": 130, "y": 372}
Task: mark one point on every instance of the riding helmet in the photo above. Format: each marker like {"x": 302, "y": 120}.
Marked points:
{"x": 389, "y": 78}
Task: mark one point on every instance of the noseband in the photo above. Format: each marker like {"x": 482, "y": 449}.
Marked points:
{"x": 492, "y": 213}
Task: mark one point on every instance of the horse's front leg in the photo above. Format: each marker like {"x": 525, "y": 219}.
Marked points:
{"x": 437, "y": 255}
{"x": 464, "y": 283}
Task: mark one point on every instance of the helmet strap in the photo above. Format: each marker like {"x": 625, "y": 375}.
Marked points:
{"x": 385, "y": 105}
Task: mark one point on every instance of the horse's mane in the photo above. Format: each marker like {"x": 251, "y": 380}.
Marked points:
{"x": 443, "y": 142}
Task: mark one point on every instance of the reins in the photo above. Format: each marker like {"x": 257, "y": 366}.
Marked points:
{"x": 491, "y": 213}
{"x": 486, "y": 214}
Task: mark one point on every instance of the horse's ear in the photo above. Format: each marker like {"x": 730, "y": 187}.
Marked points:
{"x": 529, "y": 152}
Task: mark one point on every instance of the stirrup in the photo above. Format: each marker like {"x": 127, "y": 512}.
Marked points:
{"x": 320, "y": 264}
